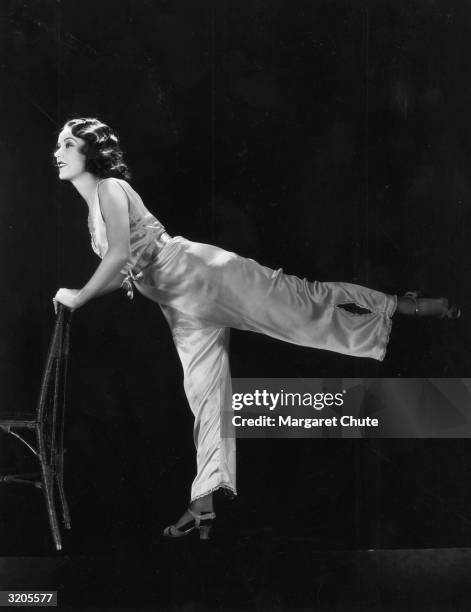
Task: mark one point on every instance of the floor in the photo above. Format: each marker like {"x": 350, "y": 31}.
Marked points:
{"x": 262, "y": 571}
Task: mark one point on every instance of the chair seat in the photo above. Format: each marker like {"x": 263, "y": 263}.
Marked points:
{"x": 17, "y": 420}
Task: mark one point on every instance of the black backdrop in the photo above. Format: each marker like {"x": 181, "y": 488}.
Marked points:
{"x": 329, "y": 138}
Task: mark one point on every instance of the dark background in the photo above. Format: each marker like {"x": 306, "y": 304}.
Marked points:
{"x": 329, "y": 138}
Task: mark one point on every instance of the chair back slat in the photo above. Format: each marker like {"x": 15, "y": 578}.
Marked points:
{"x": 53, "y": 355}
{"x": 61, "y": 416}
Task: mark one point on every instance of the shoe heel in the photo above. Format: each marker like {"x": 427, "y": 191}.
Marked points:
{"x": 204, "y": 532}
{"x": 449, "y": 312}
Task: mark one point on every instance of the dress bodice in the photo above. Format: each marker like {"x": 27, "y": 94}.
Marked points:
{"x": 143, "y": 226}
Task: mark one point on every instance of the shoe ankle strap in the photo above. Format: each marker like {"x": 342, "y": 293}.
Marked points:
{"x": 200, "y": 517}
{"x": 413, "y": 295}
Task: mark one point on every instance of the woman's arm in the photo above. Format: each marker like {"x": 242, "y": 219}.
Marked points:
{"x": 114, "y": 284}
{"x": 114, "y": 208}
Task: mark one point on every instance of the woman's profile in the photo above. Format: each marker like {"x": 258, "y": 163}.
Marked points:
{"x": 203, "y": 291}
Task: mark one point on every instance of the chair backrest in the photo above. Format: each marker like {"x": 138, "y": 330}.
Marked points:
{"x": 51, "y": 401}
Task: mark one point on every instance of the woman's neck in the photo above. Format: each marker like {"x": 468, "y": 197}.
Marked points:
{"x": 86, "y": 185}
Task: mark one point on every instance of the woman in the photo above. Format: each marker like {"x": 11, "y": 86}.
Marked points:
{"x": 203, "y": 291}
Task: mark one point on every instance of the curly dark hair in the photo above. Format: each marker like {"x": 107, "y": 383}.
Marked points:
{"x": 103, "y": 155}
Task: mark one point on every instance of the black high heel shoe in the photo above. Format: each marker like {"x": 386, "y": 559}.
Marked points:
{"x": 432, "y": 307}
{"x": 201, "y": 522}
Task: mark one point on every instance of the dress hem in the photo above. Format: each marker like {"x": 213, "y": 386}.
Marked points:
{"x": 228, "y": 489}
{"x": 389, "y": 313}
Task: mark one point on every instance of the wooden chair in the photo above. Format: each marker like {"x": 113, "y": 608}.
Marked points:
{"x": 42, "y": 432}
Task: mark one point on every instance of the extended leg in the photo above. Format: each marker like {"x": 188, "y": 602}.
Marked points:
{"x": 339, "y": 317}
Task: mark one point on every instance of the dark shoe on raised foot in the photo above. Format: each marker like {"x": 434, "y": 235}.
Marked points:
{"x": 201, "y": 522}
{"x": 432, "y": 307}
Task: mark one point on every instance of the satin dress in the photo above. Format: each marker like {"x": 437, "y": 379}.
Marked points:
{"x": 203, "y": 291}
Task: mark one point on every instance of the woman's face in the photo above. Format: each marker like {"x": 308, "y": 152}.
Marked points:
{"x": 70, "y": 161}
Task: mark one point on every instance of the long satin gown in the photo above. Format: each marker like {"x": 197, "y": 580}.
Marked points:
{"x": 203, "y": 291}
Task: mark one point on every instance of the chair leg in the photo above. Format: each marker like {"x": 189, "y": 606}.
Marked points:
{"x": 63, "y": 500}
{"x": 48, "y": 488}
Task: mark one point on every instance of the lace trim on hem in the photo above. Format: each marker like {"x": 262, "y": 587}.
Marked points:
{"x": 394, "y": 306}
{"x": 389, "y": 323}
{"x": 228, "y": 490}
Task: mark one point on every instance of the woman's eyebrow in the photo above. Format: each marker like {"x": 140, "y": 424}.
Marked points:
{"x": 67, "y": 138}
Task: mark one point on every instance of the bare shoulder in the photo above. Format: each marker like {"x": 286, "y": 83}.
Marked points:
{"x": 110, "y": 187}
{"x": 111, "y": 196}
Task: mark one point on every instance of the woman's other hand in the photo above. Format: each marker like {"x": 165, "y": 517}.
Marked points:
{"x": 68, "y": 297}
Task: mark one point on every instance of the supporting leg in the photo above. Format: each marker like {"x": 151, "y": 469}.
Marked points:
{"x": 203, "y": 352}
